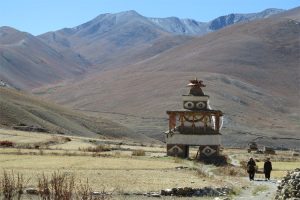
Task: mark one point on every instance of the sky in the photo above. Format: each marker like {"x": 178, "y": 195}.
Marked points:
{"x": 40, "y": 16}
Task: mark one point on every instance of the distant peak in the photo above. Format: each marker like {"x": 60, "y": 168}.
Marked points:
{"x": 128, "y": 13}
{"x": 273, "y": 10}
{"x": 8, "y": 28}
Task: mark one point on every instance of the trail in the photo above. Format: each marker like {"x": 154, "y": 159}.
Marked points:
{"x": 258, "y": 189}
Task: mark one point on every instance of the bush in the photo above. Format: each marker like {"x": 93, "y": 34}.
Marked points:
{"x": 230, "y": 171}
{"x": 6, "y": 143}
{"x": 11, "y": 186}
{"x": 61, "y": 186}
{"x": 98, "y": 148}
{"x": 138, "y": 152}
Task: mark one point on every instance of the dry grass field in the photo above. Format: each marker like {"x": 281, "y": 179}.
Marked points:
{"x": 114, "y": 168}
{"x": 282, "y": 162}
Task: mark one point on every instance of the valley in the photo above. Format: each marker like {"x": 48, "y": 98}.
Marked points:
{"x": 118, "y": 170}
{"x": 85, "y": 107}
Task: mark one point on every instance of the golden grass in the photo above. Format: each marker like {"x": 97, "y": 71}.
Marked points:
{"x": 128, "y": 174}
{"x": 116, "y": 170}
{"x": 23, "y": 137}
{"x": 279, "y": 168}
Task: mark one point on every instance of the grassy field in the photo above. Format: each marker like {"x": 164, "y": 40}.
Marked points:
{"x": 116, "y": 169}
{"x": 282, "y": 162}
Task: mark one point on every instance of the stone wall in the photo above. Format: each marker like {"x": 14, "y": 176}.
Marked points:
{"x": 289, "y": 188}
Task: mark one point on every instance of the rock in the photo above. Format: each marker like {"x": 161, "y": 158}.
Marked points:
{"x": 289, "y": 187}
{"x": 199, "y": 192}
{"x": 154, "y": 194}
{"x": 99, "y": 193}
{"x": 32, "y": 191}
{"x": 166, "y": 192}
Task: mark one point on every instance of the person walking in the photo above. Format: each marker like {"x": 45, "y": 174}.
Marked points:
{"x": 251, "y": 168}
{"x": 267, "y": 168}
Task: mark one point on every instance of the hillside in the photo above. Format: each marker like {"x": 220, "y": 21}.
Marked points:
{"x": 18, "y": 108}
{"x": 27, "y": 62}
{"x": 105, "y": 42}
{"x": 251, "y": 71}
{"x": 131, "y": 37}
{"x": 127, "y": 36}
{"x": 192, "y": 27}
{"x": 264, "y": 53}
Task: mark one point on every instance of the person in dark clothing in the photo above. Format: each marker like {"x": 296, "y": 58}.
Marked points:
{"x": 251, "y": 168}
{"x": 267, "y": 168}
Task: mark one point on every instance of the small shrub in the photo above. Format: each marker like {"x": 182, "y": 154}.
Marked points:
{"x": 243, "y": 164}
{"x": 138, "y": 152}
{"x": 44, "y": 187}
{"x": 6, "y": 143}
{"x": 117, "y": 154}
{"x": 98, "y": 148}
{"x": 230, "y": 171}
{"x": 67, "y": 139}
{"x": 62, "y": 185}
{"x": 84, "y": 191}
{"x": 12, "y": 186}
{"x": 201, "y": 172}
{"x": 41, "y": 152}
{"x": 178, "y": 160}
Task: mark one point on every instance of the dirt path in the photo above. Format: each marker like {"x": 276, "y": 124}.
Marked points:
{"x": 258, "y": 189}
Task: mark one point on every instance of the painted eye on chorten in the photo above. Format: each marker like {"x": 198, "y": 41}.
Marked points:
{"x": 200, "y": 105}
{"x": 189, "y": 105}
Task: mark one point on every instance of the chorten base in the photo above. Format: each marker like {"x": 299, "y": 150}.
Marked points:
{"x": 178, "y": 150}
{"x": 210, "y": 154}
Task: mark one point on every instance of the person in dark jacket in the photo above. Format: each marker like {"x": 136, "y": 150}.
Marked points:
{"x": 267, "y": 168}
{"x": 251, "y": 168}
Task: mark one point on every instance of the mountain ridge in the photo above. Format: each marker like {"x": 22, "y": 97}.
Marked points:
{"x": 241, "y": 64}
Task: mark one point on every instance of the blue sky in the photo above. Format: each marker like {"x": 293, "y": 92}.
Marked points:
{"x": 40, "y": 16}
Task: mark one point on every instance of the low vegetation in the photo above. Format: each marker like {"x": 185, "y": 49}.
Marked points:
{"x": 6, "y": 143}
{"x": 98, "y": 148}
{"x": 81, "y": 167}
{"x": 138, "y": 152}
{"x": 60, "y": 186}
{"x": 259, "y": 188}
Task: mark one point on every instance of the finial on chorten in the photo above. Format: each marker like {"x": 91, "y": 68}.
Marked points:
{"x": 196, "y": 86}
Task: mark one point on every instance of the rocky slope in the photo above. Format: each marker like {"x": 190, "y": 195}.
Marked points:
{"x": 27, "y": 62}
{"x": 192, "y": 27}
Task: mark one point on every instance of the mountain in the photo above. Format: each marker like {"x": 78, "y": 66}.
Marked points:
{"x": 231, "y": 19}
{"x": 251, "y": 71}
{"x": 192, "y": 27}
{"x": 113, "y": 39}
{"x": 27, "y": 62}
{"x": 22, "y": 110}
{"x": 106, "y": 42}
{"x": 131, "y": 37}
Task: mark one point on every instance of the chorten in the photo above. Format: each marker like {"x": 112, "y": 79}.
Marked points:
{"x": 196, "y": 125}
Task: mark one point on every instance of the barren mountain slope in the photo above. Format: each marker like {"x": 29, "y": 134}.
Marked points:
{"x": 114, "y": 40}
{"x": 27, "y": 62}
{"x": 111, "y": 40}
{"x": 21, "y": 108}
{"x": 265, "y": 53}
{"x": 251, "y": 71}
